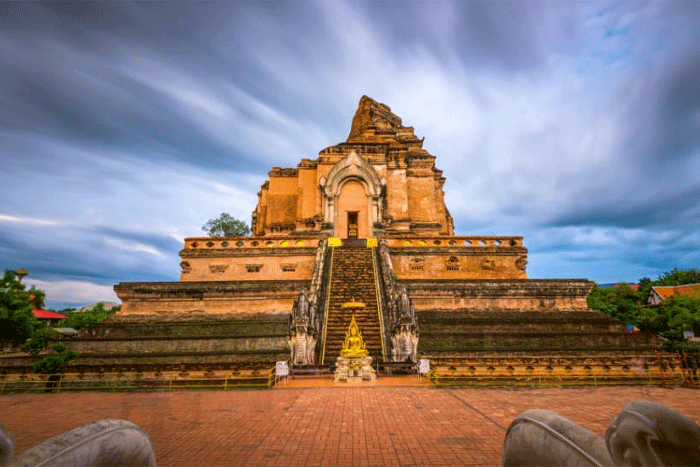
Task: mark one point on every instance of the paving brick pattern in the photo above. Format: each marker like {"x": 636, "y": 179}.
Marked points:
{"x": 358, "y": 425}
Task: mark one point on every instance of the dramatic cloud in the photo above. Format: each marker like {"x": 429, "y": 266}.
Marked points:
{"x": 125, "y": 126}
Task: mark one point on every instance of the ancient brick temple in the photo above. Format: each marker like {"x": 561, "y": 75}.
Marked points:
{"x": 379, "y": 182}
{"x": 366, "y": 221}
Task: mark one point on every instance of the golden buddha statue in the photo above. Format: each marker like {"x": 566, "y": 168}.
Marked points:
{"x": 354, "y": 345}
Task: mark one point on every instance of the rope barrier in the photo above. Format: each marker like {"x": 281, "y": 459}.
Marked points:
{"x": 135, "y": 381}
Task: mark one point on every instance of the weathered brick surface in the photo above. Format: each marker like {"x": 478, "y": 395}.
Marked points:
{"x": 327, "y": 426}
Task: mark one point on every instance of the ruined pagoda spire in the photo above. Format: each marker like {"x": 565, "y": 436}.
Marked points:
{"x": 374, "y": 121}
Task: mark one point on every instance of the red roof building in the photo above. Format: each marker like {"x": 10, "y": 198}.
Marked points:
{"x": 631, "y": 286}
{"x": 46, "y": 314}
{"x": 659, "y": 293}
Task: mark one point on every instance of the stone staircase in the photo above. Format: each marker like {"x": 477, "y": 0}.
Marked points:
{"x": 352, "y": 278}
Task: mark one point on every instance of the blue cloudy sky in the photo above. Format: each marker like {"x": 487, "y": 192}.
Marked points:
{"x": 125, "y": 126}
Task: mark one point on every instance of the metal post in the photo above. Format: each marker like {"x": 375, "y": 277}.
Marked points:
{"x": 661, "y": 369}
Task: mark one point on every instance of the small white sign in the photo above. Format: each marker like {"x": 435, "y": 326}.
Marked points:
{"x": 281, "y": 369}
{"x": 423, "y": 366}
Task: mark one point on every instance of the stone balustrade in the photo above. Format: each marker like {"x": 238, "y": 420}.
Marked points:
{"x": 455, "y": 242}
{"x": 205, "y": 243}
{"x": 222, "y": 243}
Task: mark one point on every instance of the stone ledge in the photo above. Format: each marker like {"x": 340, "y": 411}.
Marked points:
{"x": 502, "y": 287}
{"x": 208, "y": 288}
{"x": 431, "y": 250}
{"x": 247, "y": 252}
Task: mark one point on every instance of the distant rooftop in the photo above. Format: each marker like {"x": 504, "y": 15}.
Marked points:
{"x": 667, "y": 291}
{"x": 46, "y": 314}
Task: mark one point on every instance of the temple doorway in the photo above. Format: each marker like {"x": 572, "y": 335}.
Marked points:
{"x": 352, "y": 215}
{"x": 352, "y": 224}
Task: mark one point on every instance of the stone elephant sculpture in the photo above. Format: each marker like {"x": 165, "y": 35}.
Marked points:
{"x": 644, "y": 434}
{"x": 105, "y": 443}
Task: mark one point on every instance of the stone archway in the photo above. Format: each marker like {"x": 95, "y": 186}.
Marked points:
{"x": 363, "y": 187}
{"x": 352, "y": 209}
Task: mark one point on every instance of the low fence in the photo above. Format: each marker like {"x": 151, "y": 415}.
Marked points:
{"x": 165, "y": 381}
{"x": 660, "y": 371}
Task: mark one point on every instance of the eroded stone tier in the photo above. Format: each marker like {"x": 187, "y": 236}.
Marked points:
{"x": 489, "y": 294}
{"x": 225, "y": 297}
{"x": 380, "y": 181}
{"x": 413, "y": 257}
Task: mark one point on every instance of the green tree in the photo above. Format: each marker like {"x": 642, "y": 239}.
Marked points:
{"x": 39, "y": 341}
{"x": 620, "y": 303}
{"x": 98, "y": 313}
{"x": 679, "y": 277}
{"x": 17, "y": 322}
{"x": 226, "y": 226}
{"x": 671, "y": 318}
{"x": 645, "y": 285}
{"x": 55, "y": 365}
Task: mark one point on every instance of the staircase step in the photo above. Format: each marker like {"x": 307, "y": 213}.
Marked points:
{"x": 353, "y": 279}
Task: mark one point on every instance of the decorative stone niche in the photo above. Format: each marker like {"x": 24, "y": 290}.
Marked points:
{"x": 186, "y": 268}
{"x": 416, "y": 264}
{"x": 488, "y": 265}
{"x": 452, "y": 263}
{"x": 253, "y": 267}
{"x": 289, "y": 267}
{"x": 218, "y": 268}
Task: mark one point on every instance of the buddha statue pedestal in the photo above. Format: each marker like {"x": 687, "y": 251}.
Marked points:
{"x": 354, "y": 363}
{"x": 354, "y": 369}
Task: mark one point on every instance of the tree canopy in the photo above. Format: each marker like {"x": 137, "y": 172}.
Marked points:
{"x": 17, "y": 322}
{"x": 621, "y": 303}
{"x": 226, "y": 226}
{"x": 79, "y": 319}
{"x": 672, "y": 317}
{"x": 58, "y": 363}
{"x": 669, "y": 320}
{"x": 39, "y": 341}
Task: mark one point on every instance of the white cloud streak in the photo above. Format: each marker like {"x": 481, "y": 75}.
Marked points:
{"x": 27, "y": 220}
{"x": 73, "y": 292}
{"x": 558, "y": 121}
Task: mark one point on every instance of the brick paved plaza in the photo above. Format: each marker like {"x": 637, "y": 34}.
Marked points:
{"x": 371, "y": 425}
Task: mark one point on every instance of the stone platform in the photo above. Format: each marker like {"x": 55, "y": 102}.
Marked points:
{"x": 358, "y": 425}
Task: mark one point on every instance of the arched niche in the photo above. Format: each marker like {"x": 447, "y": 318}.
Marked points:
{"x": 351, "y": 168}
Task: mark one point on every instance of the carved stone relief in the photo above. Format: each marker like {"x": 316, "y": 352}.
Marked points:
{"x": 416, "y": 264}
{"x": 452, "y": 263}
{"x": 521, "y": 262}
{"x": 218, "y": 268}
{"x": 488, "y": 265}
